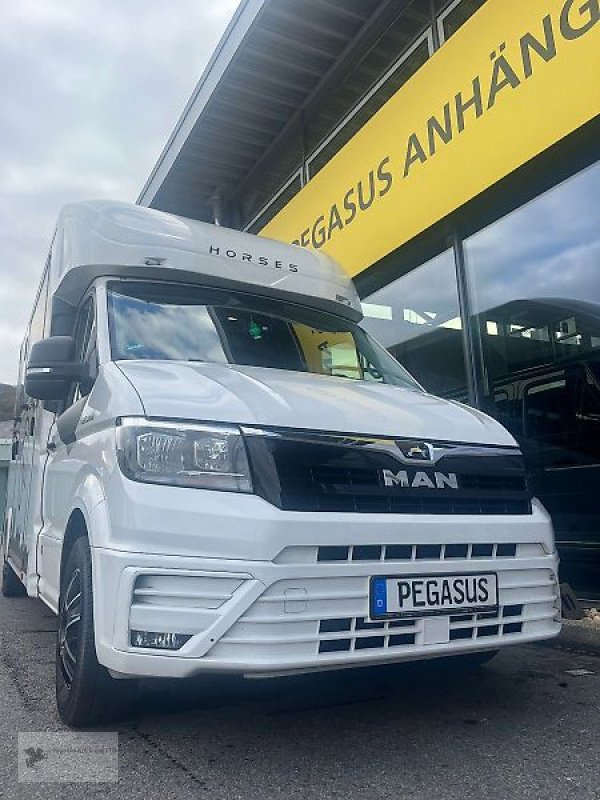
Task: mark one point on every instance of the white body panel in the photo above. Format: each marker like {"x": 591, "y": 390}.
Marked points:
{"x": 238, "y": 575}
{"x": 255, "y": 396}
{"x": 102, "y": 238}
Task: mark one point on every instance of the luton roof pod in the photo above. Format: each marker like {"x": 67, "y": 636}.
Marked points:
{"x": 100, "y": 238}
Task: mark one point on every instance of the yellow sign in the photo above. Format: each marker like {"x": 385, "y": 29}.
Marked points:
{"x": 515, "y": 79}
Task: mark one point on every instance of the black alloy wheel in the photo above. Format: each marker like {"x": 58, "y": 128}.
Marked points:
{"x": 86, "y": 693}
{"x": 69, "y": 624}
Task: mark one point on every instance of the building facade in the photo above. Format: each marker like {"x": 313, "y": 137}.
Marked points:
{"x": 447, "y": 154}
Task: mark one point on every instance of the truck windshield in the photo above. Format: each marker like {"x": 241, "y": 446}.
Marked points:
{"x": 186, "y": 323}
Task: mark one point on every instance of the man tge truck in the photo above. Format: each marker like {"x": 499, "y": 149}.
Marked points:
{"x": 216, "y": 469}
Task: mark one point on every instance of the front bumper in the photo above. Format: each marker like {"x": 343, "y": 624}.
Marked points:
{"x": 296, "y": 613}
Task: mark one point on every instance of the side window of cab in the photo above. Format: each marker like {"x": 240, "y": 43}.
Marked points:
{"x": 85, "y": 350}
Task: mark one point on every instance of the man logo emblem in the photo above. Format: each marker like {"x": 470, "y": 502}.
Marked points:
{"x": 416, "y": 451}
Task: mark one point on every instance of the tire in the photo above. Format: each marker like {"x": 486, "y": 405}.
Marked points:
{"x": 86, "y": 694}
{"x": 11, "y": 585}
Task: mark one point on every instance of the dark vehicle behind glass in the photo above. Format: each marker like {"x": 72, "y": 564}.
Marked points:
{"x": 544, "y": 356}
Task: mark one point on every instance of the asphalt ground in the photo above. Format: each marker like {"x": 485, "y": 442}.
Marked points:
{"x": 520, "y": 727}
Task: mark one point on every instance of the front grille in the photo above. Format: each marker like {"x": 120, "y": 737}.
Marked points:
{"x": 414, "y": 552}
{"x": 298, "y": 471}
{"x": 365, "y": 635}
{"x": 332, "y": 616}
{"x": 448, "y": 553}
{"x": 358, "y": 633}
{"x": 478, "y": 626}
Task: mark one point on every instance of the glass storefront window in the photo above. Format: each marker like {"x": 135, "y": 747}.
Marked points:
{"x": 456, "y": 16}
{"x": 535, "y": 294}
{"x": 417, "y": 318}
{"x": 535, "y": 281}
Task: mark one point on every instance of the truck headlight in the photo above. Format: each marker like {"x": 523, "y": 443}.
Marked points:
{"x": 183, "y": 454}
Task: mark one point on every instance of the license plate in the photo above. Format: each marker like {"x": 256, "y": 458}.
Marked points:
{"x": 426, "y": 595}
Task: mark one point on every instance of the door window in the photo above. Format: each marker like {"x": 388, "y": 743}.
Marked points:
{"x": 549, "y": 410}
{"x": 588, "y": 413}
{"x": 85, "y": 350}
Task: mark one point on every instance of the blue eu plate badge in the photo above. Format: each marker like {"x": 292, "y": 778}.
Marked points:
{"x": 379, "y": 596}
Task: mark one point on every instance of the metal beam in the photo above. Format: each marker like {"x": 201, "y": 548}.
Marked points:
{"x": 281, "y": 63}
{"x": 344, "y": 10}
{"x": 244, "y": 67}
{"x": 305, "y": 23}
{"x": 245, "y": 124}
{"x": 296, "y": 44}
{"x": 263, "y": 113}
{"x": 274, "y": 97}
{"x": 215, "y": 156}
{"x": 235, "y": 136}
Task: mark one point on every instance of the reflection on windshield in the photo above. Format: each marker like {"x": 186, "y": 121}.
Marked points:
{"x": 143, "y": 329}
{"x": 166, "y": 321}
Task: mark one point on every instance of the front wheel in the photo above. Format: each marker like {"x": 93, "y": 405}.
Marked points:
{"x": 86, "y": 694}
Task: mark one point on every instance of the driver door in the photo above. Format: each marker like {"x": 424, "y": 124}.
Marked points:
{"x": 65, "y": 465}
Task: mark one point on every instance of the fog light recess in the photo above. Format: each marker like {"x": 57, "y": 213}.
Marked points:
{"x": 159, "y": 641}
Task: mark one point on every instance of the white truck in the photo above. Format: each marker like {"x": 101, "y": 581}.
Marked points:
{"x": 215, "y": 468}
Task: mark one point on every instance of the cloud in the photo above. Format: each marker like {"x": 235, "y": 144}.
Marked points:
{"x": 549, "y": 248}
{"x": 91, "y": 91}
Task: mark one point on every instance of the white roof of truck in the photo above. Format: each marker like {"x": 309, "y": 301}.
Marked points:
{"x": 101, "y": 238}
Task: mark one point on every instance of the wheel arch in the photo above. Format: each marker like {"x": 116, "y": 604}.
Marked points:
{"x": 89, "y": 518}
{"x": 77, "y": 526}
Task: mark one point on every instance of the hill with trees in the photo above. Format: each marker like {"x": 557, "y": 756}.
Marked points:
{"x": 7, "y": 401}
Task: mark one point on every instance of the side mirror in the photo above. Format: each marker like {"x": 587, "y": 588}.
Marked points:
{"x": 51, "y": 370}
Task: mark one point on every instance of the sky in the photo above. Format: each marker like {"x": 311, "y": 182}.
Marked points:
{"x": 91, "y": 90}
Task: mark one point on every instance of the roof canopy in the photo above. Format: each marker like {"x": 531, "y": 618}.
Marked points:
{"x": 278, "y": 63}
